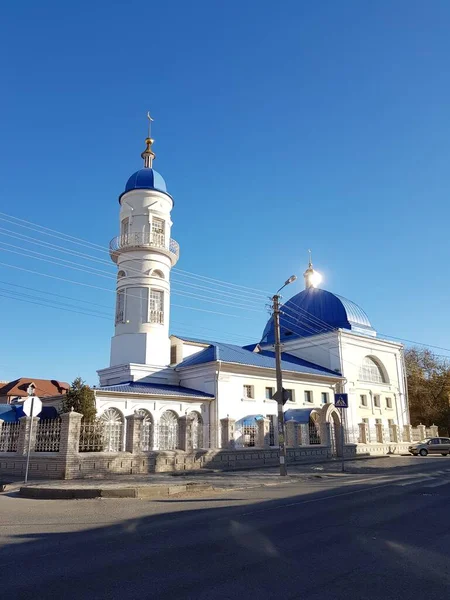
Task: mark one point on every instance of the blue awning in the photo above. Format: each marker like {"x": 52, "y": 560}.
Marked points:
{"x": 249, "y": 420}
{"x": 298, "y": 415}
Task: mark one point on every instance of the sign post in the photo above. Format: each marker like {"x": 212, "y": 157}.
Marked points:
{"x": 29, "y": 406}
{"x": 341, "y": 402}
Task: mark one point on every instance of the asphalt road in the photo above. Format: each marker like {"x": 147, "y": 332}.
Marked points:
{"x": 360, "y": 536}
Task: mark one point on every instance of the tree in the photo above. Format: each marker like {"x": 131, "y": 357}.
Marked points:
{"x": 428, "y": 378}
{"x": 81, "y": 398}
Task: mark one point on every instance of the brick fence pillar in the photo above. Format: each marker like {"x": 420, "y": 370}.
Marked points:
{"x": 291, "y": 434}
{"x": 407, "y": 433}
{"x": 24, "y": 434}
{"x": 69, "y": 442}
{"x": 133, "y": 438}
{"x": 394, "y": 433}
{"x": 422, "y": 431}
{"x": 434, "y": 430}
{"x": 263, "y": 440}
{"x": 228, "y": 428}
{"x": 380, "y": 432}
{"x": 183, "y": 433}
{"x": 363, "y": 433}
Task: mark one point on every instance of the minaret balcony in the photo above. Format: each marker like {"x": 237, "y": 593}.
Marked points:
{"x": 143, "y": 240}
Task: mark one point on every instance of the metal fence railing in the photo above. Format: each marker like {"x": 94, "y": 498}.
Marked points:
{"x": 48, "y": 435}
{"x": 9, "y": 435}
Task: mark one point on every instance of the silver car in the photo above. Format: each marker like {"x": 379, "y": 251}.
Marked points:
{"x": 437, "y": 445}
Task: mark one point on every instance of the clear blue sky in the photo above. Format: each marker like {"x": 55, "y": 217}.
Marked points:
{"x": 279, "y": 127}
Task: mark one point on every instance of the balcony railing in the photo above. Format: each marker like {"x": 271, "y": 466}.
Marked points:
{"x": 129, "y": 241}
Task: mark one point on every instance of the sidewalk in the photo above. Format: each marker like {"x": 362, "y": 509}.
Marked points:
{"x": 168, "y": 484}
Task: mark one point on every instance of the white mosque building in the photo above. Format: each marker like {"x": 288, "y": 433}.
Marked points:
{"x": 226, "y": 391}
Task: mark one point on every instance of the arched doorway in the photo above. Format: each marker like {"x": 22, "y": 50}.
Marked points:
{"x": 195, "y": 430}
{"x": 112, "y": 420}
{"x": 314, "y": 428}
{"x": 330, "y": 420}
{"x": 168, "y": 431}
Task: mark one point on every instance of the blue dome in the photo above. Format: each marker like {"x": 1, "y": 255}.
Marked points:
{"x": 146, "y": 179}
{"x": 315, "y": 311}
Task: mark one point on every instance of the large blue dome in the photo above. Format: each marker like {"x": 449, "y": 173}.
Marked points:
{"x": 314, "y": 311}
{"x": 146, "y": 179}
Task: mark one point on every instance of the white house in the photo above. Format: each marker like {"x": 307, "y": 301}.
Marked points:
{"x": 225, "y": 390}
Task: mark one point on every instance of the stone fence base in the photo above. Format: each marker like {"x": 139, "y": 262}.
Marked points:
{"x": 102, "y": 464}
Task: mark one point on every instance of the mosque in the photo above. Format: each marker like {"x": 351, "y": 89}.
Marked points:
{"x": 224, "y": 391}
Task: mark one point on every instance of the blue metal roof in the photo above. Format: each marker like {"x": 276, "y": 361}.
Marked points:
{"x": 229, "y": 353}
{"x": 146, "y": 179}
{"x": 298, "y": 415}
{"x": 11, "y": 413}
{"x": 314, "y": 311}
{"x": 156, "y": 389}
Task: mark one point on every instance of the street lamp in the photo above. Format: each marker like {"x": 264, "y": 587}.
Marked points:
{"x": 279, "y": 395}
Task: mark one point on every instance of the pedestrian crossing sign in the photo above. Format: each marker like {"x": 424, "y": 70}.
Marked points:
{"x": 341, "y": 400}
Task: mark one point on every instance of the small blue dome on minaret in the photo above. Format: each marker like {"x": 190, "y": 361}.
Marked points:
{"x": 146, "y": 178}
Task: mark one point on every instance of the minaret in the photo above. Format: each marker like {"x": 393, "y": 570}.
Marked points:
{"x": 312, "y": 277}
{"x": 144, "y": 254}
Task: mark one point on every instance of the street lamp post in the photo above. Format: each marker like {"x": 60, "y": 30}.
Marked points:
{"x": 280, "y": 392}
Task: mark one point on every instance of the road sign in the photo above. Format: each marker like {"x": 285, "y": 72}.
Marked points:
{"x": 341, "y": 400}
{"x": 285, "y": 396}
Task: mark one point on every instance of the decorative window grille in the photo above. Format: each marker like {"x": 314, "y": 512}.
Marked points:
{"x": 168, "y": 431}
{"x": 308, "y": 396}
{"x": 120, "y": 306}
{"x": 146, "y": 431}
{"x": 196, "y": 430}
{"x": 9, "y": 434}
{"x": 91, "y": 436}
{"x": 48, "y": 435}
{"x": 248, "y": 391}
{"x": 158, "y": 237}
{"x": 157, "y": 306}
{"x": 371, "y": 371}
{"x": 112, "y": 430}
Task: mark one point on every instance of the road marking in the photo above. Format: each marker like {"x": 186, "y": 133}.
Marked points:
{"x": 412, "y": 482}
{"x": 438, "y": 483}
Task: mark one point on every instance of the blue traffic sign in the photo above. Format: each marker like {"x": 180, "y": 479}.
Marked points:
{"x": 341, "y": 400}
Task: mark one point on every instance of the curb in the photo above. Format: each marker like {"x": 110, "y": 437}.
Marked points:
{"x": 142, "y": 492}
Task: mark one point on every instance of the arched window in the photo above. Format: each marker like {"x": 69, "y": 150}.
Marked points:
{"x": 168, "y": 431}
{"x": 371, "y": 370}
{"x": 121, "y": 274}
{"x": 120, "y": 306}
{"x": 112, "y": 420}
{"x": 196, "y": 430}
{"x": 157, "y": 273}
{"x": 147, "y": 430}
